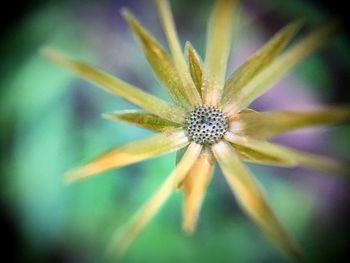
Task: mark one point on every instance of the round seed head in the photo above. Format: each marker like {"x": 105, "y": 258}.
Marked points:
{"x": 206, "y": 125}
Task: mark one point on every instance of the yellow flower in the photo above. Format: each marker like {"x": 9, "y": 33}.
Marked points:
{"x": 209, "y": 119}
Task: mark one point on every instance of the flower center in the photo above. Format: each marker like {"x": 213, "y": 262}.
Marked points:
{"x": 206, "y": 125}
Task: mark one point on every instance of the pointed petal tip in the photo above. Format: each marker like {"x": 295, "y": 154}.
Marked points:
{"x": 188, "y": 229}
{"x": 117, "y": 247}
{"x": 68, "y": 178}
{"x": 299, "y": 21}
{"x": 131, "y": 20}
{"x": 127, "y": 15}
{"x": 108, "y": 116}
{"x": 188, "y": 45}
{"x": 125, "y": 11}
{"x": 297, "y": 24}
{"x": 190, "y": 50}
{"x": 80, "y": 173}
{"x": 49, "y": 53}
{"x": 194, "y": 65}
{"x": 55, "y": 56}
{"x": 72, "y": 176}
{"x": 111, "y": 116}
{"x": 43, "y": 49}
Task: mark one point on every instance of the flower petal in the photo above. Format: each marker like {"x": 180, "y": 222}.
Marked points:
{"x": 142, "y": 119}
{"x": 264, "y": 152}
{"x": 194, "y": 63}
{"x": 195, "y": 185}
{"x": 261, "y": 151}
{"x": 280, "y": 67}
{"x": 255, "y": 156}
{"x": 320, "y": 163}
{"x": 219, "y": 38}
{"x": 258, "y": 61}
{"x": 114, "y": 85}
{"x": 170, "y": 31}
{"x": 160, "y": 61}
{"x": 124, "y": 238}
{"x": 268, "y": 124}
{"x": 131, "y": 153}
{"x": 252, "y": 200}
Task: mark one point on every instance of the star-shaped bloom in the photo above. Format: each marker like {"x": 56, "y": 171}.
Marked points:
{"x": 209, "y": 120}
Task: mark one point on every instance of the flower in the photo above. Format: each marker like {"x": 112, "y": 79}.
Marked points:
{"x": 209, "y": 120}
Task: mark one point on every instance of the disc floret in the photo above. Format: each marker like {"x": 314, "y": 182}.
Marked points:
{"x": 206, "y": 125}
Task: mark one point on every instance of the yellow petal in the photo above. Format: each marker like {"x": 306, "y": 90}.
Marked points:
{"x": 194, "y": 63}
{"x": 168, "y": 24}
{"x": 195, "y": 185}
{"x": 258, "y": 61}
{"x": 268, "y": 124}
{"x": 142, "y": 119}
{"x": 130, "y": 153}
{"x": 219, "y": 36}
{"x": 124, "y": 238}
{"x": 321, "y": 163}
{"x": 263, "y": 152}
{"x": 160, "y": 61}
{"x": 252, "y": 200}
{"x": 114, "y": 85}
{"x": 280, "y": 67}
{"x": 256, "y": 156}
{"x": 260, "y": 151}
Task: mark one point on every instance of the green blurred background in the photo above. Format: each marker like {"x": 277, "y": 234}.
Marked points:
{"x": 51, "y": 121}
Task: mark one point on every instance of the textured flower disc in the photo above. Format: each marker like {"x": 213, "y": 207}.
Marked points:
{"x": 206, "y": 125}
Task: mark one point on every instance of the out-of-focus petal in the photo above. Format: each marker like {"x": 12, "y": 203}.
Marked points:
{"x": 320, "y": 163}
{"x": 261, "y": 151}
{"x": 219, "y": 38}
{"x": 132, "y": 152}
{"x": 195, "y": 185}
{"x": 252, "y": 200}
{"x": 142, "y": 119}
{"x": 255, "y": 156}
{"x": 268, "y": 124}
{"x": 159, "y": 59}
{"x": 194, "y": 63}
{"x": 114, "y": 85}
{"x": 258, "y": 61}
{"x": 280, "y": 67}
{"x": 168, "y": 24}
{"x": 124, "y": 238}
